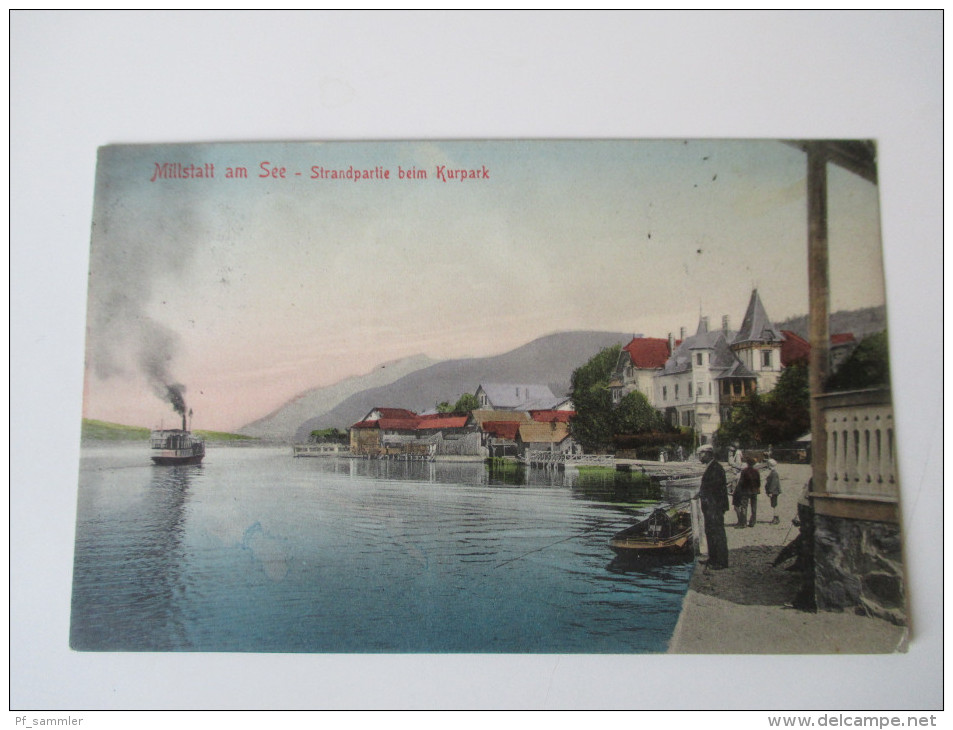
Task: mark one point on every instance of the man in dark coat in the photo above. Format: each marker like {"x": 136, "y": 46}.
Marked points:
{"x": 749, "y": 486}
{"x": 714, "y": 503}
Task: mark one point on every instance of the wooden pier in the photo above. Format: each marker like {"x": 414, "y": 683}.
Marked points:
{"x": 559, "y": 460}
{"x": 321, "y": 450}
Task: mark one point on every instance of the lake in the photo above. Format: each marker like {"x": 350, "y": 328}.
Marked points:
{"x": 257, "y": 551}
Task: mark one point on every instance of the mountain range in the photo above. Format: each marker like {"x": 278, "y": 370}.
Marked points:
{"x": 423, "y": 383}
{"x": 282, "y": 423}
{"x": 419, "y": 383}
{"x": 859, "y": 322}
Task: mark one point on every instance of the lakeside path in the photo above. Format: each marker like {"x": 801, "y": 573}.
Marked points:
{"x": 741, "y": 610}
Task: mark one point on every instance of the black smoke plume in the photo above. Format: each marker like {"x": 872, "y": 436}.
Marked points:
{"x": 157, "y": 350}
{"x": 141, "y": 241}
{"x": 175, "y": 397}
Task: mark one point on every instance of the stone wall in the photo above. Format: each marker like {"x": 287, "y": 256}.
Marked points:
{"x": 859, "y": 567}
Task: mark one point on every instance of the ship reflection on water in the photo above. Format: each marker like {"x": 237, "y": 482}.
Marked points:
{"x": 147, "y": 579}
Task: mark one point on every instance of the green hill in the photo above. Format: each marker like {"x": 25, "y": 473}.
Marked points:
{"x": 104, "y": 431}
{"x": 224, "y": 436}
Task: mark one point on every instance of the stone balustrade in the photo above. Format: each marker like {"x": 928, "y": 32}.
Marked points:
{"x": 861, "y": 448}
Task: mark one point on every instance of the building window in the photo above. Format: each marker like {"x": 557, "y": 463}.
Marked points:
{"x": 676, "y": 391}
{"x": 766, "y": 358}
{"x": 689, "y": 390}
{"x": 698, "y": 358}
{"x": 664, "y": 392}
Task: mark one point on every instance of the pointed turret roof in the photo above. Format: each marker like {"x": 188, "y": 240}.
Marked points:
{"x": 703, "y": 339}
{"x": 757, "y": 327}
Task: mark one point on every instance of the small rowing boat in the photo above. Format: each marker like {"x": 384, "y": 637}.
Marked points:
{"x": 664, "y": 532}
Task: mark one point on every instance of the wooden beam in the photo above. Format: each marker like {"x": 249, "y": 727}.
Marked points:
{"x": 857, "y": 155}
{"x": 819, "y": 304}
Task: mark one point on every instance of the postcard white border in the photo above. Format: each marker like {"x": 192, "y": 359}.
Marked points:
{"x": 84, "y": 79}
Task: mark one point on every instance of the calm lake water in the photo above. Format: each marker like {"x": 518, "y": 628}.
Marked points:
{"x": 255, "y": 550}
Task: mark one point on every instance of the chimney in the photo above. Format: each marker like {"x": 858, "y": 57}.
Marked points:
{"x": 671, "y": 343}
{"x": 724, "y": 324}
{"x": 681, "y": 334}
{"x": 183, "y": 420}
{"x": 704, "y": 327}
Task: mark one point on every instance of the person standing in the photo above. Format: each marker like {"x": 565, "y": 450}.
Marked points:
{"x": 749, "y": 486}
{"x": 734, "y": 456}
{"x": 735, "y": 467}
{"x": 739, "y": 502}
{"x": 714, "y": 503}
{"x": 772, "y": 488}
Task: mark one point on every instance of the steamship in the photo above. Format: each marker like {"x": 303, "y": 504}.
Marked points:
{"x": 176, "y": 446}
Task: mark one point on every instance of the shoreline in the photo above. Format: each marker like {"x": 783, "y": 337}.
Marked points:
{"x": 745, "y": 608}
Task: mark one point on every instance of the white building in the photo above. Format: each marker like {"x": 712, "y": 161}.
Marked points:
{"x": 758, "y": 344}
{"x": 713, "y": 370}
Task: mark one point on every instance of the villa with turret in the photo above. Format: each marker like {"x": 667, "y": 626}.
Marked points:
{"x": 696, "y": 380}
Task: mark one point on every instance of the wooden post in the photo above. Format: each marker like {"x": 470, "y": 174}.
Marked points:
{"x": 819, "y": 303}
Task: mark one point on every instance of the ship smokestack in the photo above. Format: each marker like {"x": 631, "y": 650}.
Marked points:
{"x": 177, "y": 400}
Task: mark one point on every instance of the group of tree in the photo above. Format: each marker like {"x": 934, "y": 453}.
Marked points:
{"x": 465, "y": 404}
{"x": 867, "y": 367}
{"x": 327, "y": 435}
{"x": 776, "y": 417}
{"x": 784, "y": 413}
{"x": 598, "y": 421}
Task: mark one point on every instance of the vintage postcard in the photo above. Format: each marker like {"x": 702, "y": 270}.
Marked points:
{"x": 497, "y": 397}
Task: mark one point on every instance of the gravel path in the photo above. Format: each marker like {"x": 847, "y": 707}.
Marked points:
{"x": 744, "y": 609}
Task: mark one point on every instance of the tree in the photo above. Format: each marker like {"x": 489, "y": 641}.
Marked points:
{"x": 787, "y": 414}
{"x": 743, "y": 425}
{"x": 868, "y": 366}
{"x": 468, "y": 402}
{"x": 592, "y": 426}
{"x": 465, "y": 404}
{"x": 635, "y": 414}
{"x": 775, "y": 417}
{"x": 327, "y": 434}
{"x": 784, "y": 413}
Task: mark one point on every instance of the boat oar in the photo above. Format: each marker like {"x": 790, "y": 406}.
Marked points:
{"x": 571, "y": 537}
{"x": 565, "y": 539}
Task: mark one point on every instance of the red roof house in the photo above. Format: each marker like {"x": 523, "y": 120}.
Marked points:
{"x": 552, "y": 416}
{"x": 647, "y": 353}
{"x": 502, "y": 429}
{"x": 795, "y": 349}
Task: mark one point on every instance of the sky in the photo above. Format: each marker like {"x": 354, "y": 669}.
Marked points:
{"x": 249, "y": 291}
